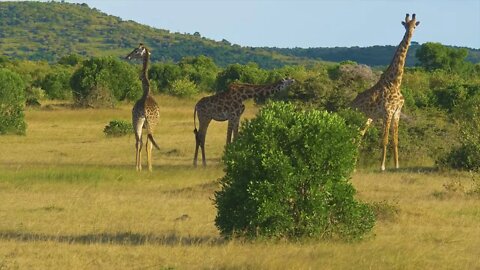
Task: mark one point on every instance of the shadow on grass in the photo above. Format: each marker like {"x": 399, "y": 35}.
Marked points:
{"x": 121, "y": 238}
{"x": 408, "y": 169}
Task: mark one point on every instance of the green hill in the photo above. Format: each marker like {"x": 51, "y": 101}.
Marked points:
{"x": 48, "y": 31}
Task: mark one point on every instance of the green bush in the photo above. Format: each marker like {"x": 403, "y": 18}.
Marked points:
{"x": 183, "y": 88}
{"x": 467, "y": 155}
{"x": 117, "y": 128}
{"x": 104, "y": 80}
{"x": 287, "y": 175}
{"x": 57, "y": 85}
{"x": 12, "y": 103}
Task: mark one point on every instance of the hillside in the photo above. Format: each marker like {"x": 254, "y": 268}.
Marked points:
{"x": 47, "y": 31}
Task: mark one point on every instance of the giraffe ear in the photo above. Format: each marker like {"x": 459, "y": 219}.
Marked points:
{"x": 417, "y": 23}
{"x": 404, "y": 24}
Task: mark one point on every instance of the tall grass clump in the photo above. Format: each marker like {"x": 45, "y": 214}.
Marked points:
{"x": 12, "y": 103}
{"x": 287, "y": 176}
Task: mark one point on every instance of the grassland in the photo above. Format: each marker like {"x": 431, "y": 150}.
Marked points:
{"x": 70, "y": 199}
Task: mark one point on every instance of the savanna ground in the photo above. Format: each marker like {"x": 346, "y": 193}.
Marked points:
{"x": 70, "y": 199}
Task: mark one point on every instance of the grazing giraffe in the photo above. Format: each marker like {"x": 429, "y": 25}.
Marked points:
{"x": 229, "y": 106}
{"x": 384, "y": 100}
{"x": 145, "y": 113}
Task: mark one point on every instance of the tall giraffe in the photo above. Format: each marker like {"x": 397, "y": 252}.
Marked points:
{"x": 229, "y": 106}
{"x": 145, "y": 113}
{"x": 384, "y": 100}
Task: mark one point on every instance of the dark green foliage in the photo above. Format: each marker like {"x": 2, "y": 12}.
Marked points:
{"x": 70, "y": 60}
{"x": 249, "y": 73}
{"x": 57, "y": 85}
{"x": 287, "y": 175}
{"x": 101, "y": 81}
{"x": 200, "y": 70}
{"x": 12, "y": 103}
{"x": 164, "y": 74}
{"x": 466, "y": 156}
{"x": 183, "y": 88}
{"x": 117, "y": 128}
{"x": 434, "y": 56}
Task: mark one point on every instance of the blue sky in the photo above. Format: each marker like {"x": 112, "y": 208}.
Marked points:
{"x": 306, "y": 23}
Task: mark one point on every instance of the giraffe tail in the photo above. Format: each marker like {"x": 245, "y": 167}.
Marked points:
{"x": 195, "y": 131}
{"x": 150, "y": 137}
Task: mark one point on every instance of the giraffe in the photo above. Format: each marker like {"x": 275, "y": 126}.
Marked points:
{"x": 145, "y": 113}
{"x": 229, "y": 106}
{"x": 384, "y": 100}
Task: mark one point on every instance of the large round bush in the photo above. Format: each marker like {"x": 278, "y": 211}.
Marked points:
{"x": 287, "y": 175}
{"x": 102, "y": 81}
{"x": 12, "y": 103}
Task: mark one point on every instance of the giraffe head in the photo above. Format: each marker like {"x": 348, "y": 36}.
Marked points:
{"x": 138, "y": 53}
{"x": 285, "y": 82}
{"x": 410, "y": 24}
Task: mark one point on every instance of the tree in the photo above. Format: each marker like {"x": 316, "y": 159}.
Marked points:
{"x": 12, "y": 103}
{"x": 164, "y": 74}
{"x": 102, "y": 81}
{"x": 57, "y": 85}
{"x": 434, "y": 55}
{"x": 70, "y": 60}
{"x": 201, "y": 70}
{"x": 249, "y": 73}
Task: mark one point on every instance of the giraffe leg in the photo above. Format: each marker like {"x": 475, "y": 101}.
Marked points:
{"x": 396, "y": 121}
{"x": 138, "y": 157}
{"x": 386, "y": 126}
{"x": 200, "y": 137}
{"x": 230, "y": 130}
{"x": 138, "y": 125}
{"x": 148, "y": 147}
{"x": 197, "y": 145}
{"x": 235, "y": 129}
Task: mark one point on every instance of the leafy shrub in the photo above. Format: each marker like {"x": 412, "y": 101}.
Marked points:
{"x": 287, "y": 175}
{"x": 33, "y": 95}
{"x": 117, "y": 128}
{"x": 104, "y": 80}
{"x": 57, "y": 85}
{"x": 249, "y": 73}
{"x": 467, "y": 155}
{"x": 183, "y": 88}
{"x": 370, "y": 151}
{"x": 12, "y": 103}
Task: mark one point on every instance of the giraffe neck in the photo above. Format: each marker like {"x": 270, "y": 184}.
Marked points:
{"x": 144, "y": 76}
{"x": 247, "y": 91}
{"x": 392, "y": 77}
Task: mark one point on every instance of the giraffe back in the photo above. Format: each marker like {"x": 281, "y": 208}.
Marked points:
{"x": 220, "y": 107}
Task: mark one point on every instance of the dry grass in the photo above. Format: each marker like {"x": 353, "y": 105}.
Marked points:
{"x": 70, "y": 199}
